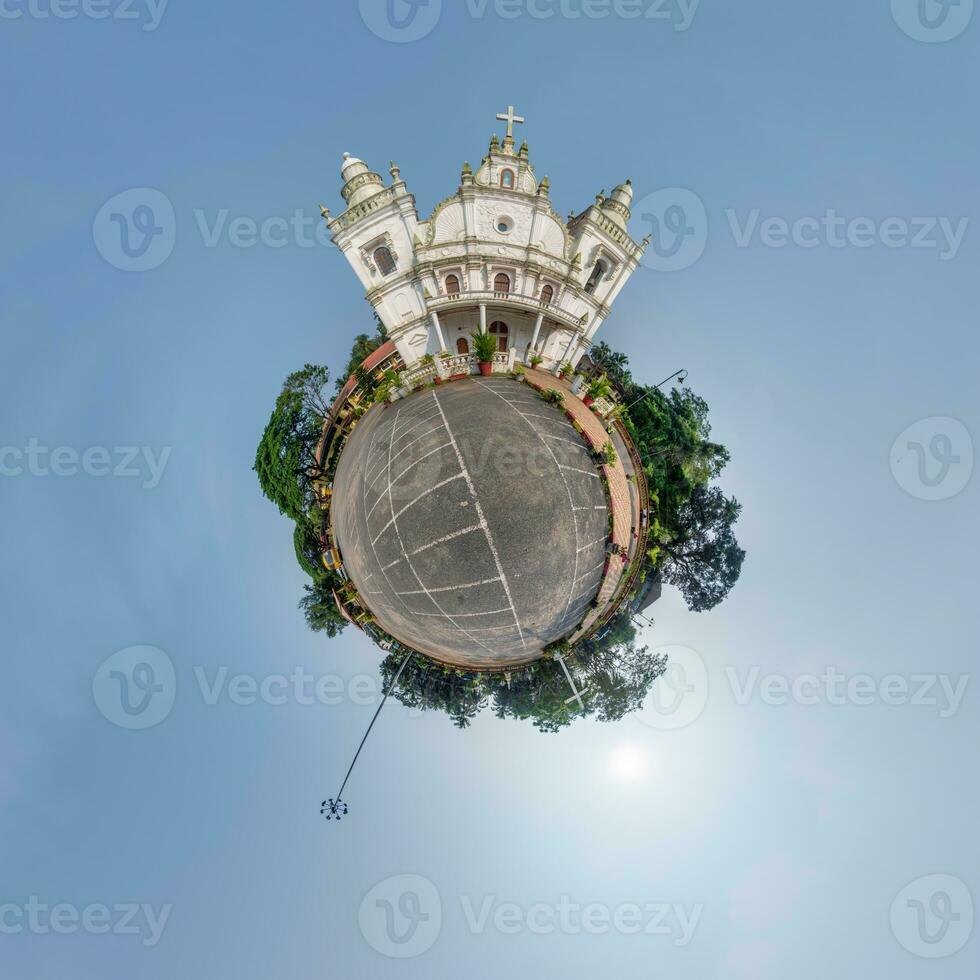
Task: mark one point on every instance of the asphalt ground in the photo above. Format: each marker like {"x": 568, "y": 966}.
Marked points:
{"x": 472, "y": 521}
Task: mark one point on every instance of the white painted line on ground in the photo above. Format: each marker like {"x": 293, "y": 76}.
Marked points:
{"x": 445, "y": 445}
{"x": 424, "y": 493}
{"x": 445, "y": 538}
{"x": 451, "y": 588}
{"x": 568, "y": 490}
{"x": 489, "y": 612}
{"x": 595, "y": 476}
{"x": 592, "y": 571}
{"x": 408, "y": 561}
{"x": 482, "y": 518}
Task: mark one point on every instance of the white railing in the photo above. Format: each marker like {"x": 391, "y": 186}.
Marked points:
{"x": 459, "y": 364}
{"x": 420, "y": 375}
{"x": 476, "y": 296}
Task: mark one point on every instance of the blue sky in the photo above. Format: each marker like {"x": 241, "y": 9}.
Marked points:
{"x": 785, "y": 832}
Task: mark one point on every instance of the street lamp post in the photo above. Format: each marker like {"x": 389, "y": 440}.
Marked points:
{"x": 337, "y": 808}
{"x": 681, "y": 377}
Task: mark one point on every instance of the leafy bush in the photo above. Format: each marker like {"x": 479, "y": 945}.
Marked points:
{"x": 553, "y": 397}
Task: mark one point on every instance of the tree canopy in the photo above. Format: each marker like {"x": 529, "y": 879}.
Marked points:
{"x": 286, "y": 461}
{"x": 287, "y": 468}
{"x": 693, "y": 545}
{"x": 612, "y": 676}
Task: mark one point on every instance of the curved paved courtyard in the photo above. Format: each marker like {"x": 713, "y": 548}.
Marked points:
{"x": 472, "y": 521}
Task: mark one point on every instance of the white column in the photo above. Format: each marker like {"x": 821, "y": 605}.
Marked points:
{"x": 483, "y": 318}
{"x": 568, "y": 349}
{"x": 537, "y": 330}
{"x": 579, "y": 351}
{"x": 435, "y": 323}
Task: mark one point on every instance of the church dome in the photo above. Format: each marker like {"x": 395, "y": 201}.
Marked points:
{"x": 617, "y": 205}
{"x": 476, "y": 544}
{"x": 360, "y": 182}
{"x": 352, "y": 166}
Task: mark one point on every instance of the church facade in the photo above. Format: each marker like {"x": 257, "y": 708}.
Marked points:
{"x": 493, "y": 257}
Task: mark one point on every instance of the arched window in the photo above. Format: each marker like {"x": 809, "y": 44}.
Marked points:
{"x": 462, "y": 346}
{"x": 547, "y": 294}
{"x": 501, "y": 283}
{"x": 452, "y": 285}
{"x": 384, "y": 261}
{"x": 507, "y": 179}
{"x": 500, "y": 330}
{"x": 598, "y": 271}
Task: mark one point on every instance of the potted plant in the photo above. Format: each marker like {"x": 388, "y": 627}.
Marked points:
{"x": 617, "y": 412}
{"x": 536, "y": 359}
{"x": 566, "y": 368}
{"x": 598, "y": 388}
{"x": 484, "y": 346}
{"x": 427, "y": 360}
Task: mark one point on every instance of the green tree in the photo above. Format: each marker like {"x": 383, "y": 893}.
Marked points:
{"x": 286, "y": 460}
{"x": 364, "y": 345}
{"x": 700, "y": 554}
{"x": 320, "y": 608}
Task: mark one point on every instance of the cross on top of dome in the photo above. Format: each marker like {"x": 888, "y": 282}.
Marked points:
{"x": 509, "y": 118}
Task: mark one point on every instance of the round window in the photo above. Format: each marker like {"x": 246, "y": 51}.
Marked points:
{"x": 505, "y": 224}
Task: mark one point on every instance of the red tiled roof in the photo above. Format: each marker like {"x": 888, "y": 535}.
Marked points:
{"x": 371, "y": 361}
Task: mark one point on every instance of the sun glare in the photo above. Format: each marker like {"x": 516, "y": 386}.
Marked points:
{"x": 628, "y": 762}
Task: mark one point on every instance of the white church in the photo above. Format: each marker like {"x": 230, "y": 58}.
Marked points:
{"x": 493, "y": 257}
